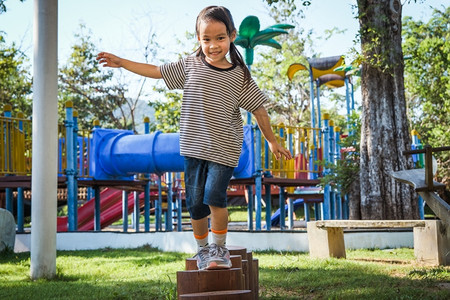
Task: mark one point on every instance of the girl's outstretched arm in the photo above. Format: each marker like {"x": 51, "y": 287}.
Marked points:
{"x": 264, "y": 124}
{"x": 110, "y": 60}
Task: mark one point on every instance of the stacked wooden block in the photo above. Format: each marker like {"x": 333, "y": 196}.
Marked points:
{"x": 240, "y": 282}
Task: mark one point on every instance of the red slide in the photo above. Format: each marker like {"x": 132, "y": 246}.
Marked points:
{"x": 110, "y": 206}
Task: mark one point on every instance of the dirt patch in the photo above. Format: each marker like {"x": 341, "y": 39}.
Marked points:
{"x": 444, "y": 285}
{"x": 384, "y": 260}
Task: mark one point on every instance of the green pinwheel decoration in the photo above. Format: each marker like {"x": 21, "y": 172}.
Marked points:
{"x": 249, "y": 36}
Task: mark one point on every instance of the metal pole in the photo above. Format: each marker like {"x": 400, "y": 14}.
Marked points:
{"x": 158, "y": 206}
{"x": 249, "y": 114}
{"x": 258, "y": 179}
{"x": 97, "y": 210}
{"x": 326, "y": 206}
{"x": 319, "y": 116}
{"x": 179, "y": 204}
{"x": 45, "y": 140}
{"x": 282, "y": 201}
{"x": 20, "y": 215}
{"x": 8, "y": 157}
{"x": 137, "y": 210}
{"x": 249, "y": 206}
{"x": 147, "y": 185}
{"x": 75, "y": 167}
{"x": 125, "y": 211}
{"x": 267, "y": 188}
{"x": 70, "y": 172}
{"x": 169, "y": 213}
{"x": 311, "y": 95}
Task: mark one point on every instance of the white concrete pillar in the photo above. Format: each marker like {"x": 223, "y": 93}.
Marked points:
{"x": 45, "y": 138}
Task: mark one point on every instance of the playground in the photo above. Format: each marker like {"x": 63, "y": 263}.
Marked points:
{"x": 119, "y": 227}
{"x": 116, "y": 201}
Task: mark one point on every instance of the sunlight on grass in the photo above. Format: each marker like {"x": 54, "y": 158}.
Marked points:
{"x": 240, "y": 214}
{"x": 146, "y": 273}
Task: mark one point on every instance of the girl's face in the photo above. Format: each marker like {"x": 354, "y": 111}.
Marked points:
{"x": 215, "y": 42}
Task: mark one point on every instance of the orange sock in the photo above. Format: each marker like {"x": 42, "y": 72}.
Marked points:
{"x": 219, "y": 237}
{"x": 202, "y": 240}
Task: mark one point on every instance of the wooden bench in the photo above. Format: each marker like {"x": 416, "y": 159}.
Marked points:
{"x": 431, "y": 239}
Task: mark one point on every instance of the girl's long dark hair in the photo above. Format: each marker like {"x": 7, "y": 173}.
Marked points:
{"x": 222, "y": 14}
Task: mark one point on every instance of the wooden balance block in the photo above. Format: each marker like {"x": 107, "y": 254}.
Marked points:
{"x": 239, "y": 282}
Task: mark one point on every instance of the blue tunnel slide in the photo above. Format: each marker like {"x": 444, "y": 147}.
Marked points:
{"x": 120, "y": 154}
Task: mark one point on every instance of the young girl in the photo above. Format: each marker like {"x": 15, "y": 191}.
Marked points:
{"x": 211, "y": 131}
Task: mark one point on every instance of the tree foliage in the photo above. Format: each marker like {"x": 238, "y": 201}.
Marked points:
{"x": 15, "y": 78}
{"x": 427, "y": 82}
{"x": 93, "y": 91}
{"x": 167, "y": 110}
{"x": 167, "y": 106}
{"x": 3, "y": 8}
{"x": 289, "y": 100}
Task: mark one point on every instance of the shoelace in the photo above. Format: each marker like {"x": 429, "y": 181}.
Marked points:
{"x": 217, "y": 251}
{"x": 202, "y": 253}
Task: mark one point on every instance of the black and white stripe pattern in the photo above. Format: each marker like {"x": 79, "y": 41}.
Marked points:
{"x": 211, "y": 122}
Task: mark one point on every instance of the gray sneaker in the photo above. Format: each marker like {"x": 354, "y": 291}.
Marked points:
{"x": 219, "y": 258}
{"x": 202, "y": 257}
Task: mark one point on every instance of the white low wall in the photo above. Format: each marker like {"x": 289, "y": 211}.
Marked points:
{"x": 184, "y": 241}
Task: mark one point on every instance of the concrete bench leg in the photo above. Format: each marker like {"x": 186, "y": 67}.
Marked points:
{"x": 325, "y": 242}
{"x": 432, "y": 243}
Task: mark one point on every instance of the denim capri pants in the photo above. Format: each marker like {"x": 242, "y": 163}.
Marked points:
{"x": 206, "y": 184}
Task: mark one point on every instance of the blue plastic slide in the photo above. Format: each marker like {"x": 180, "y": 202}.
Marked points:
{"x": 275, "y": 219}
{"x": 120, "y": 154}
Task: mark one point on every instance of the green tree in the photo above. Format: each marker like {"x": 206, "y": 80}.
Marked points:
{"x": 383, "y": 119}
{"x": 344, "y": 174}
{"x": 3, "y": 6}
{"x": 95, "y": 93}
{"x": 427, "y": 82}
{"x": 289, "y": 100}
{"x": 167, "y": 110}
{"x": 15, "y": 78}
{"x": 167, "y": 104}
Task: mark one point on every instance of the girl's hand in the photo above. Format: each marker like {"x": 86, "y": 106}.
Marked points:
{"x": 109, "y": 60}
{"x": 279, "y": 151}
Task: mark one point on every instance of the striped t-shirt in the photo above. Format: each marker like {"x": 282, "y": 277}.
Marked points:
{"x": 211, "y": 122}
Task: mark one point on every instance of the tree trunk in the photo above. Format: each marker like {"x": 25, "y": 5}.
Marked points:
{"x": 354, "y": 201}
{"x": 384, "y": 125}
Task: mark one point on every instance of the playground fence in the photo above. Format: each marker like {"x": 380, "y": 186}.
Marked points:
{"x": 304, "y": 143}
{"x": 15, "y": 146}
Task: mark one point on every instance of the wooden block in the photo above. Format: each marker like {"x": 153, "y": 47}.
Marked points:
{"x": 245, "y": 273}
{"x": 189, "y": 282}
{"x": 250, "y": 270}
{"x": 255, "y": 273}
{"x": 237, "y": 250}
{"x": 236, "y": 261}
{"x": 219, "y": 295}
{"x": 191, "y": 263}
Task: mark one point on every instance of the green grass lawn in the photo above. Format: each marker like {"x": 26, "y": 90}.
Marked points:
{"x": 147, "y": 273}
